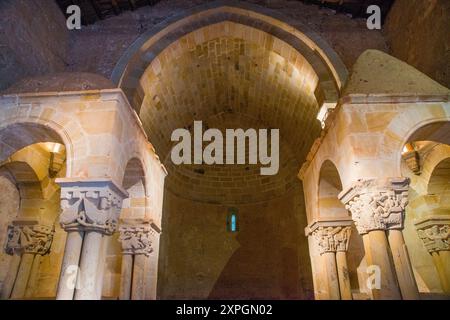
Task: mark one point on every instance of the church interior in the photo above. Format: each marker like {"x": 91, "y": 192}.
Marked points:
{"x": 92, "y": 207}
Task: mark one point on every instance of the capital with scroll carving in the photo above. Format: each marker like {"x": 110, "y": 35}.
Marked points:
{"x": 137, "y": 239}
{"x": 90, "y": 205}
{"x": 434, "y": 231}
{"x": 331, "y": 236}
{"x": 34, "y": 239}
{"x": 377, "y": 204}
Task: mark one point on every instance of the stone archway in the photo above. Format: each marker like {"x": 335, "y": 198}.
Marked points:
{"x": 232, "y": 65}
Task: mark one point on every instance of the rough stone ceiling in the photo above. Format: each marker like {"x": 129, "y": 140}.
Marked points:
{"x": 95, "y": 10}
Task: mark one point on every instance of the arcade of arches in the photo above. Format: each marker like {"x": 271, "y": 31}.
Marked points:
{"x": 91, "y": 206}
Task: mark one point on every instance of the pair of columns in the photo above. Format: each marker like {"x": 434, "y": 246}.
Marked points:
{"x": 140, "y": 245}
{"x": 377, "y": 207}
{"x": 434, "y": 230}
{"x": 27, "y": 243}
{"x": 90, "y": 213}
{"x": 332, "y": 238}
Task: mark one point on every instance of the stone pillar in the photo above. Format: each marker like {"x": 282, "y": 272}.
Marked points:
{"x": 377, "y": 207}
{"x": 27, "y": 241}
{"x": 332, "y": 239}
{"x": 68, "y": 279}
{"x": 90, "y": 211}
{"x": 434, "y": 231}
{"x": 138, "y": 247}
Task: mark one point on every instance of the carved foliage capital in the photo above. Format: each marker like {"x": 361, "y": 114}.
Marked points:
{"x": 332, "y": 238}
{"x": 34, "y": 239}
{"x": 137, "y": 239}
{"x": 377, "y": 205}
{"x": 92, "y": 206}
{"x": 435, "y": 233}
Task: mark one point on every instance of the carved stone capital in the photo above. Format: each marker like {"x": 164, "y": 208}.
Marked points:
{"x": 90, "y": 205}
{"x": 377, "y": 204}
{"x": 331, "y": 236}
{"x": 137, "y": 239}
{"x": 434, "y": 232}
{"x": 34, "y": 239}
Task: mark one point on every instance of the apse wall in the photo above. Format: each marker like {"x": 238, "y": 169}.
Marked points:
{"x": 267, "y": 258}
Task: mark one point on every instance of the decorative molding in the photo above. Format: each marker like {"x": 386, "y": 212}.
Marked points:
{"x": 34, "y": 239}
{"x": 377, "y": 204}
{"x": 137, "y": 239}
{"x": 90, "y": 205}
{"x": 434, "y": 231}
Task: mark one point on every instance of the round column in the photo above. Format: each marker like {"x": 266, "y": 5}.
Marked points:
{"x": 11, "y": 276}
{"x": 126, "y": 277}
{"x": 34, "y": 276}
{"x": 403, "y": 268}
{"x": 329, "y": 260}
{"x": 441, "y": 261}
{"x": 69, "y": 270}
{"x": 344, "y": 279}
{"x": 376, "y": 248}
{"x": 89, "y": 263}
{"x": 23, "y": 275}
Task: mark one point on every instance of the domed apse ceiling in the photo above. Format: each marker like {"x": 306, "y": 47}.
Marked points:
{"x": 229, "y": 76}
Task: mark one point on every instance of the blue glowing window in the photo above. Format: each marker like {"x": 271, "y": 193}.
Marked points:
{"x": 233, "y": 223}
{"x": 232, "y": 220}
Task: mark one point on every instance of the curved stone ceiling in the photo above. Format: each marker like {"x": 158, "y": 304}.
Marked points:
{"x": 228, "y": 72}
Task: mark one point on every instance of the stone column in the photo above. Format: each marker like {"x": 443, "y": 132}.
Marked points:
{"x": 137, "y": 248}
{"x": 377, "y": 207}
{"x": 90, "y": 211}
{"x": 32, "y": 241}
{"x": 68, "y": 279}
{"x": 332, "y": 241}
{"x": 434, "y": 231}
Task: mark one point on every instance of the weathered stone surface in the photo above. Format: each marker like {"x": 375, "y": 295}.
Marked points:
{"x": 376, "y": 72}
{"x": 417, "y": 32}
{"x": 33, "y": 40}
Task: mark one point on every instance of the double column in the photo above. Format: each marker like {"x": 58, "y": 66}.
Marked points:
{"x": 140, "y": 245}
{"x": 27, "y": 242}
{"x": 378, "y": 210}
{"x": 331, "y": 240}
{"x": 434, "y": 230}
{"x": 90, "y": 211}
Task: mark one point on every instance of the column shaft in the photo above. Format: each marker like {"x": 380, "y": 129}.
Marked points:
{"x": 101, "y": 266}
{"x": 332, "y": 276}
{"x": 23, "y": 275}
{"x": 344, "y": 279}
{"x": 34, "y": 276}
{"x": 441, "y": 260}
{"x": 138, "y": 292}
{"x": 126, "y": 277}
{"x": 403, "y": 268}
{"x": 377, "y": 254}
{"x": 89, "y": 263}
{"x": 69, "y": 269}
{"x": 11, "y": 276}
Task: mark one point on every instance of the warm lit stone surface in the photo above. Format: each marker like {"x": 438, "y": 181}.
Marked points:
{"x": 267, "y": 257}
{"x": 376, "y": 72}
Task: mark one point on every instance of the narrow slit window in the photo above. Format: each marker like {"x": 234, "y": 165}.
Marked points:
{"x": 232, "y": 220}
